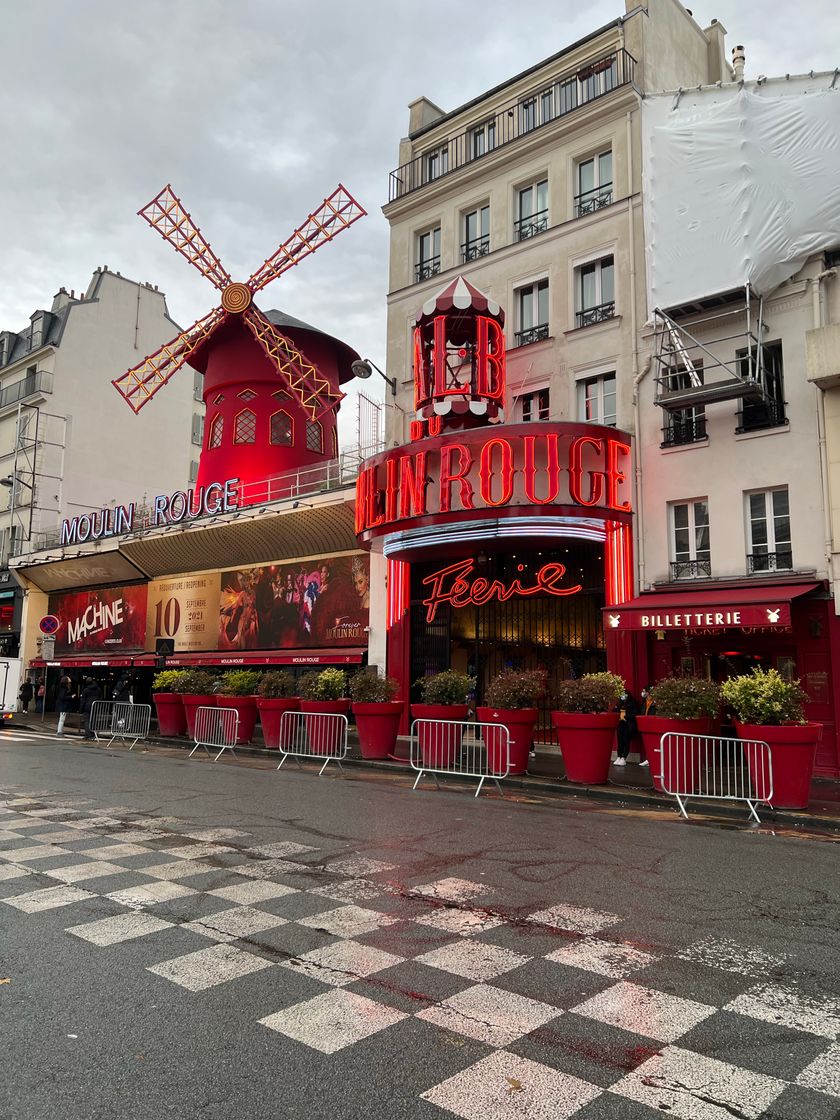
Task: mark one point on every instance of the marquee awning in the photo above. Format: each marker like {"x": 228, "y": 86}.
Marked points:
{"x": 765, "y": 605}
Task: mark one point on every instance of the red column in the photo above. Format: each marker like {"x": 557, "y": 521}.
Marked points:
{"x": 398, "y": 635}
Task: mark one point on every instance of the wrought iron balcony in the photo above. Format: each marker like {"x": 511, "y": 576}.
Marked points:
{"x": 524, "y": 228}
{"x": 41, "y": 382}
{"x": 691, "y": 569}
{"x": 532, "y": 334}
{"x": 426, "y": 269}
{"x": 759, "y": 414}
{"x": 598, "y": 314}
{"x": 781, "y": 561}
{"x": 590, "y": 201}
{"x": 567, "y": 93}
{"x": 683, "y": 429}
{"x": 472, "y": 250}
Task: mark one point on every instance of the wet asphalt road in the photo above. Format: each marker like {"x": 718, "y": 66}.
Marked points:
{"x": 578, "y": 960}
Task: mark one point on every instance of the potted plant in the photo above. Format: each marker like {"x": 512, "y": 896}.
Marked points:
{"x": 445, "y": 697}
{"x": 511, "y": 701}
{"x": 166, "y": 693}
{"x": 324, "y": 693}
{"x": 197, "y": 692}
{"x": 376, "y": 711}
{"x": 685, "y": 705}
{"x": 770, "y": 708}
{"x": 585, "y": 720}
{"x": 276, "y": 695}
{"x": 238, "y": 691}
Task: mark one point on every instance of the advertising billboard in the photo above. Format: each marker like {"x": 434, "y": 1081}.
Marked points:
{"x": 185, "y": 609}
{"x": 105, "y": 621}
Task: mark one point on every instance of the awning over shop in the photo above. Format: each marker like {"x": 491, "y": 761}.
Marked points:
{"x": 96, "y": 660}
{"x": 765, "y": 605}
{"x": 348, "y": 656}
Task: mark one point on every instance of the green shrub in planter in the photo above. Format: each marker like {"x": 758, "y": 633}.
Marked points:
{"x": 765, "y": 697}
{"x": 516, "y": 688}
{"x": 240, "y": 682}
{"x": 169, "y": 680}
{"x": 195, "y": 682}
{"x": 685, "y": 697}
{"x": 367, "y": 687}
{"x": 447, "y": 687}
{"x": 277, "y": 684}
{"x": 590, "y": 694}
{"x": 329, "y": 684}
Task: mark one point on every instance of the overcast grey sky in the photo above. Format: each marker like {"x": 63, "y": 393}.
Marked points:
{"x": 254, "y": 110}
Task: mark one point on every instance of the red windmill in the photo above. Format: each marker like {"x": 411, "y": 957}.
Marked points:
{"x": 271, "y": 394}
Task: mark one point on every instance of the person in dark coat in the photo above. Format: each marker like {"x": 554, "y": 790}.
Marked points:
{"x": 90, "y": 694}
{"x": 26, "y": 693}
{"x": 122, "y": 690}
{"x": 64, "y": 702}
{"x": 628, "y": 709}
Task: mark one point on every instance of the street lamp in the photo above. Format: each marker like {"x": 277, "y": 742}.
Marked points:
{"x": 364, "y": 367}
{"x": 9, "y": 482}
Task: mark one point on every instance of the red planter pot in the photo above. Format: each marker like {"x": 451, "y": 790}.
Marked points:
{"x": 378, "y": 725}
{"x": 520, "y": 723}
{"x": 246, "y": 708}
{"x": 586, "y": 744}
{"x": 683, "y": 764}
{"x": 271, "y": 714}
{"x": 439, "y": 745}
{"x": 324, "y": 735}
{"x": 193, "y": 701}
{"x": 172, "y": 719}
{"x": 793, "y": 749}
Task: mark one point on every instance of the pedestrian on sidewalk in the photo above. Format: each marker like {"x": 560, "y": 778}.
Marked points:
{"x": 628, "y": 709}
{"x": 122, "y": 690}
{"x": 64, "y": 702}
{"x": 40, "y": 696}
{"x": 90, "y": 694}
{"x": 25, "y": 694}
{"x": 648, "y": 705}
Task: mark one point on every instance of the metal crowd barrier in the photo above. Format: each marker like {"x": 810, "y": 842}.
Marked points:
{"x": 313, "y": 735}
{"x": 470, "y": 750}
{"x": 215, "y": 727}
{"x": 715, "y": 768}
{"x": 118, "y": 719}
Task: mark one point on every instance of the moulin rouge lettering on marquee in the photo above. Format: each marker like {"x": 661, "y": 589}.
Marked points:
{"x": 554, "y": 468}
{"x": 452, "y": 585}
{"x": 167, "y": 509}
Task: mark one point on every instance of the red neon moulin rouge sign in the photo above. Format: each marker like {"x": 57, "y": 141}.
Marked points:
{"x": 452, "y": 585}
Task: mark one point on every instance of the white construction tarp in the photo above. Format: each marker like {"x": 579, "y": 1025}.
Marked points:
{"x": 741, "y": 185}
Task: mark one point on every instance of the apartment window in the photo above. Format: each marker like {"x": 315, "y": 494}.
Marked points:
{"x": 197, "y": 429}
{"x": 428, "y": 255}
{"x": 594, "y": 184}
{"x": 567, "y": 95}
{"x": 684, "y": 425}
{"x": 281, "y": 429}
{"x": 768, "y": 531}
{"x": 528, "y": 114}
{"x": 193, "y": 471}
{"x": 314, "y": 436}
{"x": 437, "y": 162}
{"x": 595, "y": 285}
{"x": 245, "y": 427}
{"x": 596, "y": 399}
{"x": 476, "y": 234}
{"x": 597, "y": 78}
{"x": 532, "y": 313}
{"x": 768, "y": 412}
{"x": 483, "y": 139}
{"x": 534, "y": 406}
{"x": 531, "y": 210}
{"x": 216, "y": 430}
{"x": 690, "y": 551}
{"x": 198, "y": 386}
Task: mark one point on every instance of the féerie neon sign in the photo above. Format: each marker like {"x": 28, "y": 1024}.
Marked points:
{"x": 452, "y": 585}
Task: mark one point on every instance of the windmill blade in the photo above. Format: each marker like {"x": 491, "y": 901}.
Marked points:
{"x": 302, "y": 378}
{"x": 140, "y": 384}
{"x": 167, "y": 215}
{"x": 336, "y": 213}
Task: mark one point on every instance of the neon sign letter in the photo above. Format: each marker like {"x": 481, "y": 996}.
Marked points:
{"x": 451, "y": 585}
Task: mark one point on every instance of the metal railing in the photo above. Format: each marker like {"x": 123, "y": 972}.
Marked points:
{"x": 472, "y": 250}
{"x": 41, "y": 382}
{"x": 426, "y": 269}
{"x": 215, "y": 727}
{"x": 317, "y": 735}
{"x": 589, "y": 201}
{"x": 535, "y": 109}
{"x": 469, "y": 750}
{"x": 691, "y": 569}
{"x": 532, "y": 334}
{"x": 117, "y": 719}
{"x": 598, "y": 314}
{"x": 715, "y": 768}
{"x": 779, "y": 561}
{"x": 530, "y": 226}
{"x": 680, "y": 430}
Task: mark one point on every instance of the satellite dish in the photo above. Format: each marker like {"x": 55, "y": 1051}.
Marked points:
{"x": 361, "y": 369}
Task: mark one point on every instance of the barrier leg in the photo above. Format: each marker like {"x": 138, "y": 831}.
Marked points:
{"x": 222, "y": 751}
{"x": 754, "y": 814}
{"x": 195, "y": 748}
{"x": 681, "y": 805}
{"x": 282, "y": 760}
{"x": 480, "y": 784}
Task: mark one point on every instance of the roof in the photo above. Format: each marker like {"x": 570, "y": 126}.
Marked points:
{"x": 346, "y": 354}
{"x": 459, "y": 295}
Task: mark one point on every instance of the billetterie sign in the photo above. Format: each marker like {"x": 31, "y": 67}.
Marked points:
{"x": 167, "y": 509}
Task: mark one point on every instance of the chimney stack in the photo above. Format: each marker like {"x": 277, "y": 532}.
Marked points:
{"x": 738, "y": 60}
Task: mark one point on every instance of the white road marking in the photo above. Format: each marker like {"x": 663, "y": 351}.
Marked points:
{"x": 332, "y": 1021}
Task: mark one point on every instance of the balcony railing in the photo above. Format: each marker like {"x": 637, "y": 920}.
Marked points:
{"x": 781, "y": 561}
{"x": 41, "y": 382}
{"x": 683, "y": 429}
{"x": 691, "y": 569}
{"x": 598, "y": 314}
{"x": 472, "y": 250}
{"x": 756, "y": 415}
{"x": 532, "y": 334}
{"x": 527, "y": 114}
{"x": 530, "y": 226}
{"x": 590, "y": 201}
{"x": 425, "y": 270}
